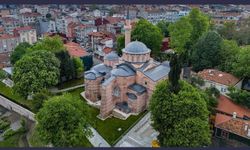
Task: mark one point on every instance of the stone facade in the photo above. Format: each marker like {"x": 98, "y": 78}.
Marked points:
{"x": 125, "y": 83}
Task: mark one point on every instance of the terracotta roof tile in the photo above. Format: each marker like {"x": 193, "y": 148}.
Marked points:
{"x": 218, "y": 77}
{"x": 107, "y": 50}
{"x": 225, "y": 105}
{"x": 233, "y": 125}
{"x": 23, "y": 28}
{"x": 75, "y": 50}
{"x": 7, "y": 36}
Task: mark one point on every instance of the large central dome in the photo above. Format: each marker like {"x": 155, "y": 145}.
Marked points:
{"x": 136, "y": 47}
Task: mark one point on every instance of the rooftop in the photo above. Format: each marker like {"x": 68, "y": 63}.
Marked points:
{"x": 226, "y": 105}
{"x": 219, "y": 77}
{"x": 75, "y": 50}
{"x": 138, "y": 88}
{"x": 136, "y": 47}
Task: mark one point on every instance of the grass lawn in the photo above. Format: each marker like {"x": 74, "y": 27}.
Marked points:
{"x": 9, "y": 93}
{"x": 12, "y": 141}
{"x": 109, "y": 127}
{"x": 71, "y": 83}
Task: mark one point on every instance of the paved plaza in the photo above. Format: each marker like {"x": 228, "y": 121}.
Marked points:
{"x": 141, "y": 135}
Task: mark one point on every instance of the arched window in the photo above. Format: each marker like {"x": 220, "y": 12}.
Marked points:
{"x": 116, "y": 91}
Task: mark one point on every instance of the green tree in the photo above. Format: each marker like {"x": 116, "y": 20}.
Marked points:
{"x": 228, "y": 30}
{"x": 35, "y": 71}
{"x": 181, "y": 119}
{"x": 67, "y": 68}
{"x": 207, "y": 52}
{"x": 52, "y": 44}
{"x": 241, "y": 97}
{"x": 120, "y": 44}
{"x": 48, "y": 16}
{"x": 149, "y": 34}
{"x": 229, "y": 51}
{"x": 63, "y": 121}
{"x": 241, "y": 67}
{"x": 19, "y": 52}
{"x": 180, "y": 34}
{"x": 163, "y": 25}
{"x": 2, "y": 74}
{"x": 199, "y": 23}
{"x": 39, "y": 98}
{"x": 79, "y": 67}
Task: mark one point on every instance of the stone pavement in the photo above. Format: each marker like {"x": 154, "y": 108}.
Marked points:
{"x": 97, "y": 140}
{"x": 141, "y": 135}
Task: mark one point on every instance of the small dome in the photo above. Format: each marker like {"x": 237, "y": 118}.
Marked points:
{"x": 136, "y": 47}
{"x": 112, "y": 56}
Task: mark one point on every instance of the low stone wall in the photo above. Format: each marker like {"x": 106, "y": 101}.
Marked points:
{"x": 16, "y": 108}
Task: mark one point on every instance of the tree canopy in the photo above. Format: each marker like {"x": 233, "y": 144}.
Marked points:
{"x": 120, "y": 44}
{"x": 241, "y": 67}
{"x": 163, "y": 25}
{"x": 149, "y": 34}
{"x": 199, "y": 22}
{"x": 240, "y": 97}
{"x": 63, "y": 122}
{"x": 181, "y": 119}
{"x": 19, "y": 52}
{"x": 180, "y": 34}
{"x": 229, "y": 51}
{"x": 52, "y": 44}
{"x": 79, "y": 67}
{"x": 207, "y": 51}
{"x": 35, "y": 71}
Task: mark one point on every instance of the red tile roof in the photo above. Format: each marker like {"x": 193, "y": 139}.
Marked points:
{"x": 23, "y": 28}
{"x": 7, "y": 36}
{"x": 227, "y": 106}
{"x": 233, "y": 125}
{"x": 218, "y": 77}
{"x": 114, "y": 20}
{"x": 75, "y": 50}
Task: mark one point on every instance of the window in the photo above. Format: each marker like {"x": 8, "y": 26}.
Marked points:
{"x": 145, "y": 83}
{"x": 224, "y": 134}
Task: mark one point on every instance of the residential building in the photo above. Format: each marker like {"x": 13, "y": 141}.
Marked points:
{"x": 63, "y": 22}
{"x": 42, "y": 9}
{"x": 82, "y": 33}
{"x": 4, "y": 60}
{"x": 28, "y": 18}
{"x": 4, "y": 12}
{"x": 232, "y": 121}
{"x": 8, "y": 42}
{"x": 10, "y": 24}
{"x": 26, "y": 34}
{"x": 218, "y": 79}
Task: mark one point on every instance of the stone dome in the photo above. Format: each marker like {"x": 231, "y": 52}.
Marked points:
{"x": 136, "y": 47}
{"x": 111, "y": 56}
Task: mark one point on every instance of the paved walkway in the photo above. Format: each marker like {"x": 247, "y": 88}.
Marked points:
{"x": 141, "y": 135}
{"x": 96, "y": 140}
{"x": 55, "y": 90}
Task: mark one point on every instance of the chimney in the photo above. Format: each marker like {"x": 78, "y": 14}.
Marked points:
{"x": 234, "y": 115}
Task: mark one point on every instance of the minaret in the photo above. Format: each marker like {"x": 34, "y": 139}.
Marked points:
{"x": 128, "y": 28}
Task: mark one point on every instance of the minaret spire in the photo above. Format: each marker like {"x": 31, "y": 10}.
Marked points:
{"x": 127, "y": 28}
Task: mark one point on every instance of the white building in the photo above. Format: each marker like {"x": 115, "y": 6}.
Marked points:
{"x": 26, "y": 34}
{"x": 97, "y": 13}
{"x": 218, "y": 79}
{"x": 29, "y": 18}
{"x": 63, "y": 22}
{"x": 25, "y": 10}
{"x": 42, "y": 9}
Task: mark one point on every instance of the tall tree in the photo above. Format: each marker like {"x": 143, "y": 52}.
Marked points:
{"x": 79, "y": 67}
{"x": 241, "y": 97}
{"x": 180, "y": 34}
{"x": 63, "y": 122}
{"x": 199, "y": 22}
{"x": 181, "y": 119}
{"x": 228, "y": 30}
{"x": 52, "y": 44}
{"x": 207, "y": 51}
{"x": 35, "y": 71}
{"x": 163, "y": 25}
{"x": 149, "y": 34}
{"x": 229, "y": 51}
{"x": 241, "y": 67}
{"x": 120, "y": 44}
{"x": 19, "y": 52}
